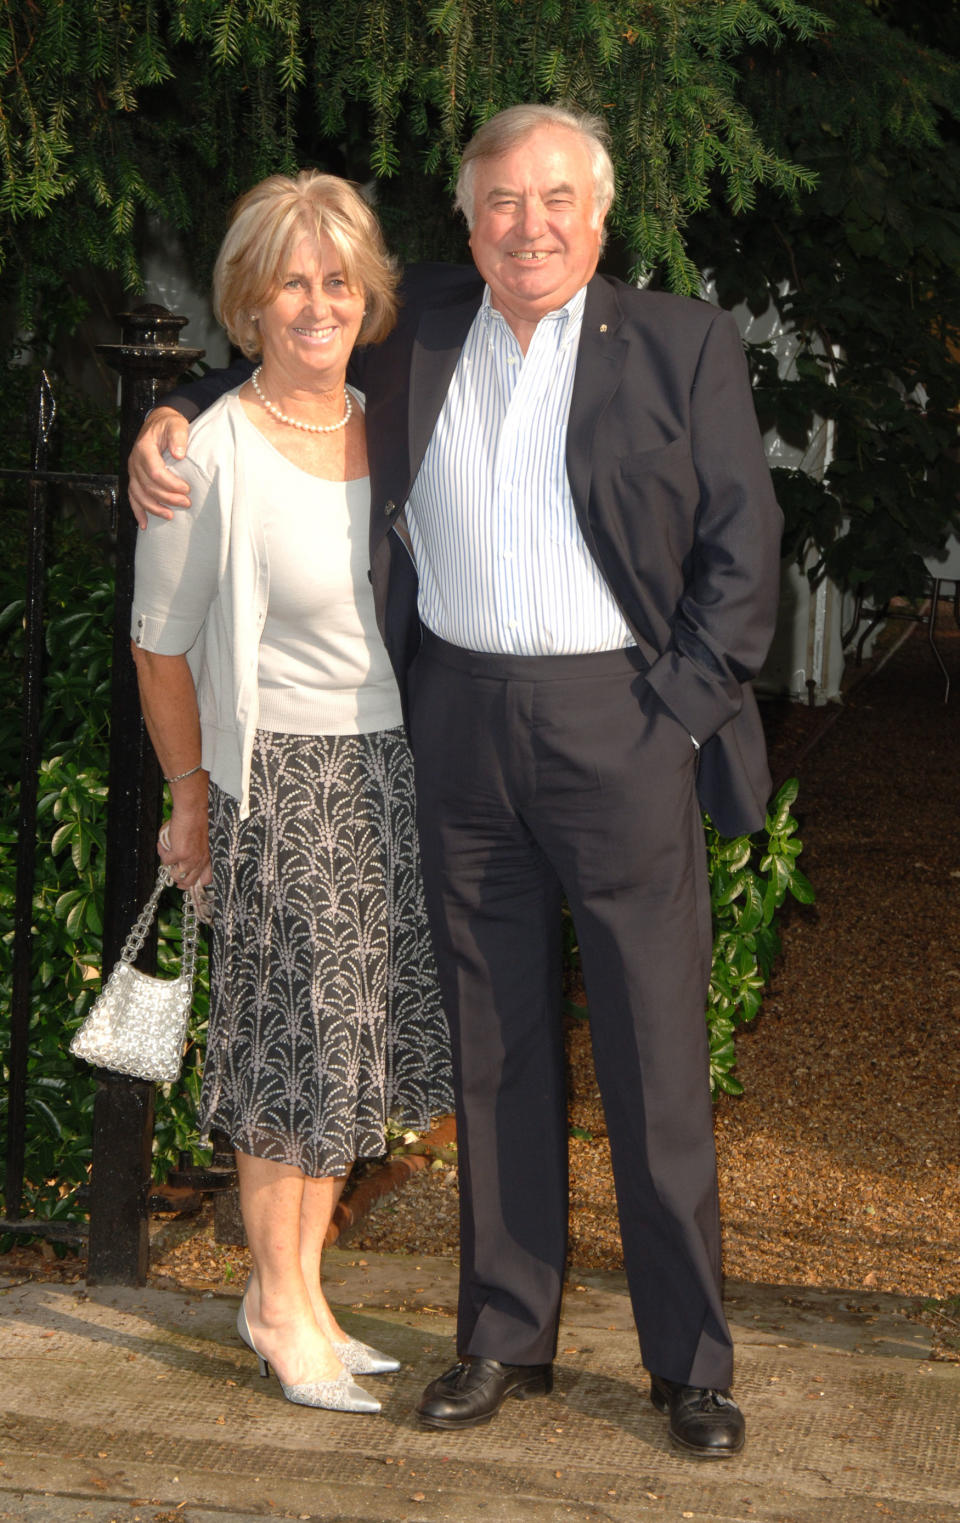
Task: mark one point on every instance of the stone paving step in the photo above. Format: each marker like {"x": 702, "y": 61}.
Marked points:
{"x": 141, "y": 1406}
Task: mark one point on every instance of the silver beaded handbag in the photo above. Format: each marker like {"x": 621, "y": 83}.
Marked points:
{"x": 138, "y": 1023}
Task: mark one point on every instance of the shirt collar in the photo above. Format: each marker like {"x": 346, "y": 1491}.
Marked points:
{"x": 570, "y": 315}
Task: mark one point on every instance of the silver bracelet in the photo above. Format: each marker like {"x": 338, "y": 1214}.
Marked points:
{"x": 181, "y": 775}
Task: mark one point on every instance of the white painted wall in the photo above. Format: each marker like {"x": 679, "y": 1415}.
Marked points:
{"x": 806, "y": 657}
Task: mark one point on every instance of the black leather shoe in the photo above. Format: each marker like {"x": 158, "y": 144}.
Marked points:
{"x": 704, "y": 1422}
{"x": 475, "y": 1389}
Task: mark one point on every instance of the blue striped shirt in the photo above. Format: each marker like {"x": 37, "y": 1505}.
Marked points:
{"x": 503, "y": 566}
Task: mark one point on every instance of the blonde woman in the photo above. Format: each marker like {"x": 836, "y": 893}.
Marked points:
{"x": 276, "y": 718}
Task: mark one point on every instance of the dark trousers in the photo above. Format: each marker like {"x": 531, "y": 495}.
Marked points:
{"x": 536, "y": 777}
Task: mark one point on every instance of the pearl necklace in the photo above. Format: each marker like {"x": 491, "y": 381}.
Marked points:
{"x": 310, "y": 428}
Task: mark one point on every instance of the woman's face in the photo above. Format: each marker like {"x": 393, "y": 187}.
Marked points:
{"x": 310, "y": 327}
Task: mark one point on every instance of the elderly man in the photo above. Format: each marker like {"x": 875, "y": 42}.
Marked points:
{"x": 575, "y": 552}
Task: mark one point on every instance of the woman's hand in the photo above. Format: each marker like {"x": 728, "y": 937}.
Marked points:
{"x": 168, "y": 699}
{"x": 183, "y": 847}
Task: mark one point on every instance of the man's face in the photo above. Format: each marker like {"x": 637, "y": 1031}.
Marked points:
{"x": 535, "y": 240}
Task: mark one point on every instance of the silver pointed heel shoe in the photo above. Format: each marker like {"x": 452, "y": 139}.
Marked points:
{"x": 339, "y": 1395}
{"x": 360, "y": 1359}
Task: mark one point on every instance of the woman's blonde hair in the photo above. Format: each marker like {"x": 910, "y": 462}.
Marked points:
{"x": 265, "y": 227}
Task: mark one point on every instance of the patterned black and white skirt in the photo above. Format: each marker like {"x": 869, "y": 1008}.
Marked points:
{"x": 325, "y": 1016}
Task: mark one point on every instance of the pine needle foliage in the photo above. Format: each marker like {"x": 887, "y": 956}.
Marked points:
{"x": 808, "y": 155}
{"x": 113, "y": 108}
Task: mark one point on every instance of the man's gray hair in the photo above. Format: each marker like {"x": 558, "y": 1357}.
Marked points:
{"x": 508, "y": 128}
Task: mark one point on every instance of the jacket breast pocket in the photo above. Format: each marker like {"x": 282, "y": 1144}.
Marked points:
{"x": 655, "y": 495}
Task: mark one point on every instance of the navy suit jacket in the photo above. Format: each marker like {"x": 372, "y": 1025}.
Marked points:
{"x": 671, "y": 487}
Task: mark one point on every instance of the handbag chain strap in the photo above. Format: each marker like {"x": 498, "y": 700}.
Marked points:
{"x": 141, "y": 927}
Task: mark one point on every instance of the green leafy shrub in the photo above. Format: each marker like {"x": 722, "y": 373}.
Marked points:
{"x": 750, "y": 877}
{"x": 69, "y": 885}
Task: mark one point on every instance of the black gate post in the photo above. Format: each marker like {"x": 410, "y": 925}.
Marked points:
{"x": 150, "y": 361}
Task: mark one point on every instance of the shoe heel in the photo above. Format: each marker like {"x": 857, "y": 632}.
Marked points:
{"x": 264, "y": 1367}
{"x": 539, "y": 1385}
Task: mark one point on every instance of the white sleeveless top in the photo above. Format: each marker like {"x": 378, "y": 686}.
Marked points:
{"x": 322, "y": 667}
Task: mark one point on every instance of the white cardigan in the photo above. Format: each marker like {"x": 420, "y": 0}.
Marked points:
{"x": 206, "y": 595}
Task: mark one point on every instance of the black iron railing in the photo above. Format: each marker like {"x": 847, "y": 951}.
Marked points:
{"x": 150, "y": 360}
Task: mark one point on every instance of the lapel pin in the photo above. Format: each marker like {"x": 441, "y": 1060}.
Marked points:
{"x": 603, "y": 327}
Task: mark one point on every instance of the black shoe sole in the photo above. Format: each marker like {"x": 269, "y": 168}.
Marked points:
{"x": 697, "y": 1451}
{"x": 540, "y": 1385}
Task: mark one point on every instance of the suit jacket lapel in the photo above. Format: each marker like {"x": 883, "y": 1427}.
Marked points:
{"x": 601, "y": 357}
{"x": 440, "y": 337}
